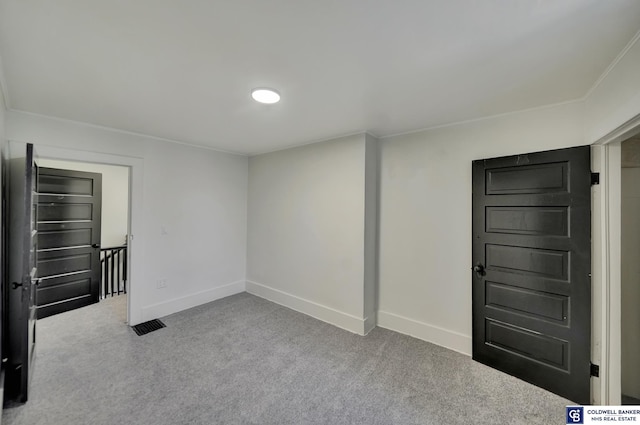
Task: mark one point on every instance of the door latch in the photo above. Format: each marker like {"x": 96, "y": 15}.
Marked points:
{"x": 479, "y": 269}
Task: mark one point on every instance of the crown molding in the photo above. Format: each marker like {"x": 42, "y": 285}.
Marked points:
{"x": 127, "y": 132}
{"x": 613, "y": 64}
{"x": 485, "y": 118}
{"x": 312, "y": 142}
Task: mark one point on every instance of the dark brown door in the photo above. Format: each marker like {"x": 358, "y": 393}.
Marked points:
{"x": 532, "y": 265}
{"x": 69, "y": 205}
{"x": 21, "y": 288}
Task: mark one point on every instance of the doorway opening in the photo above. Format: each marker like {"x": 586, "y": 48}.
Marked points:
{"x": 135, "y": 243}
{"x": 630, "y": 271}
{"x": 114, "y": 228}
{"x": 610, "y": 239}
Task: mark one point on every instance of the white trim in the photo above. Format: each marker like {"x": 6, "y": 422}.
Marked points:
{"x": 613, "y": 246}
{"x": 485, "y": 118}
{"x": 613, "y": 64}
{"x": 623, "y": 132}
{"x": 3, "y": 87}
{"x": 606, "y": 269}
{"x": 321, "y": 312}
{"x": 312, "y": 142}
{"x": 606, "y": 390}
{"x": 599, "y": 285}
{"x": 609, "y": 256}
{"x": 445, "y": 338}
{"x": 130, "y": 133}
{"x": 136, "y": 207}
{"x": 192, "y": 300}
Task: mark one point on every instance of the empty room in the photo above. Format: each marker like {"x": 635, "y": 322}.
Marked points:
{"x": 335, "y": 212}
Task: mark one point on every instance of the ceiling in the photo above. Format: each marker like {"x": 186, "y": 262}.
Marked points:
{"x": 183, "y": 70}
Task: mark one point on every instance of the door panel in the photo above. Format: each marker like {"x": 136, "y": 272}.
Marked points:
{"x": 540, "y": 221}
{"x": 532, "y": 256}
{"x": 66, "y": 184}
{"x": 528, "y": 344}
{"x": 64, "y": 238}
{"x": 68, "y": 240}
{"x": 71, "y": 287}
{"x": 527, "y": 179}
{"x": 21, "y": 298}
{"x": 524, "y": 260}
{"x": 59, "y": 211}
{"x": 542, "y": 305}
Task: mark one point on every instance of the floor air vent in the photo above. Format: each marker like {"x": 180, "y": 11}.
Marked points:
{"x": 150, "y": 326}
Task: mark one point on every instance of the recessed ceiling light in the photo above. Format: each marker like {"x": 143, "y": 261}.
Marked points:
{"x": 265, "y": 95}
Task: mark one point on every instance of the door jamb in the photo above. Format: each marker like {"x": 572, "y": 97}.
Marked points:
{"x": 606, "y": 267}
{"x": 136, "y": 207}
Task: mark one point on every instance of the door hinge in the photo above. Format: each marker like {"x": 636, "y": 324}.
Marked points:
{"x": 595, "y": 370}
{"x": 595, "y": 178}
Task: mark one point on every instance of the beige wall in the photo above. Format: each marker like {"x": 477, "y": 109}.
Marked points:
{"x": 307, "y": 230}
{"x": 2, "y": 114}
{"x": 3, "y": 140}
{"x": 192, "y": 216}
{"x": 2, "y": 156}
{"x": 305, "y": 223}
{"x": 631, "y": 282}
{"x": 425, "y": 216}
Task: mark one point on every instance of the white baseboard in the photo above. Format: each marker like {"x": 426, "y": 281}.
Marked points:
{"x": 321, "y": 312}
{"x": 173, "y": 306}
{"x": 449, "y": 339}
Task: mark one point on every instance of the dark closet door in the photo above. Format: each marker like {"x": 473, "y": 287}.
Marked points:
{"x": 532, "y": 265}
{"x": 21, "y": 286}
{"x": 69, "y": 205}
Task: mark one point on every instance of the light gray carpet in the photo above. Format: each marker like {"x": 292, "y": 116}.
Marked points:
{"x": 245, "y": 360}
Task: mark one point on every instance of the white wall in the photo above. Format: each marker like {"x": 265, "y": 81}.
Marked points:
{"x": 305, "y": 221}
{"x": 3, "y": 140}
{"x": 306, "y": 225}
{"x": 2, "y": 120}
{"x": 193, "y": 211}
{"x": 425, "y": 204}
{"x": 2, "y": 279}
{"x": 630, "y": 282}
{"x": 115, "y": 197}
{"x": 616, "y": 99}
{"x": 425, "y": 215}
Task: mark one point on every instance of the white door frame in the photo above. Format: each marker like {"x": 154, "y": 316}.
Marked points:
{"x": 606, "y": 263}
{"x": 136, "y": 207}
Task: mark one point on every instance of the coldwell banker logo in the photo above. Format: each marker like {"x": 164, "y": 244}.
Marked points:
{"x": 575, "y": 415}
